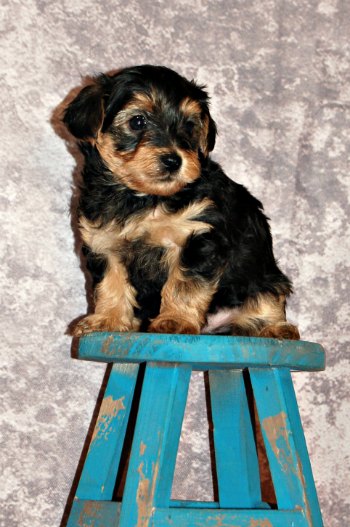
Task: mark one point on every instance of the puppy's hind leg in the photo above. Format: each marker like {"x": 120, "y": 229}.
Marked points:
{"x": 263, "y": 316}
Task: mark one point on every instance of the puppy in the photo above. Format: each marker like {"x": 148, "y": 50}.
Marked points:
{"x": 173, "y": 245}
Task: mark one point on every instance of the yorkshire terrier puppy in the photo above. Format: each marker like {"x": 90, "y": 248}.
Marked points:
{"x": 173, "y": 244}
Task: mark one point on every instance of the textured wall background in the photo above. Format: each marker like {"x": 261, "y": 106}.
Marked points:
{"x": 279, "y": 75}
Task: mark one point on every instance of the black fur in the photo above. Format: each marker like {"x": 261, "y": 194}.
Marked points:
{"x": 238, "y": 249}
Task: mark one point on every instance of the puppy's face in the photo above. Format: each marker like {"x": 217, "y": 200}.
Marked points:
{"x": 151, "y": 127}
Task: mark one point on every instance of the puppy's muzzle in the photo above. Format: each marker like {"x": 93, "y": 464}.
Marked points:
{"x": 171, "y": 162}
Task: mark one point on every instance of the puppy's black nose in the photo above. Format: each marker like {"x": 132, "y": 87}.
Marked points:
{"x": 172, "y": 162}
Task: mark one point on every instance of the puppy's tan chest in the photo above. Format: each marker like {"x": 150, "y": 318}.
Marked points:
{"x": 157, "y": 227}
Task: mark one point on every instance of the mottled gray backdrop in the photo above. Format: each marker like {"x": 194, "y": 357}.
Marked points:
{"x": 279, "y": 76}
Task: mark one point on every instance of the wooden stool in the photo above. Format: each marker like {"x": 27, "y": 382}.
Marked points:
{"x": 170, "y": 359}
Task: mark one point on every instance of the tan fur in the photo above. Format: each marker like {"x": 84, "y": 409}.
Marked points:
{"x": 157, "y": 227}
{"x": 141, "y": 169}
{"x": 141, "y": 101}
{"x": 266, "y": 307}
{"x": 100, "y": 239}
{"x": 203, "y": 143}
{"x": 280, "y": 330}
{"x": 192, "y": 109}
{"x": 189, "y": 107}
{"x": 185, "y": 301}
{"x": 263, "y": 316}
{"x": 113, "y": 159}
{"x": 114, "y": 304}
{"x": 139, "y": 104}
{"x": 161, "y": 228}
{"x": 115, "y": 297}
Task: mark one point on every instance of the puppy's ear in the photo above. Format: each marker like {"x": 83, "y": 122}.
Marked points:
{"x": 84, "y": 115}
{"x": 208, "y": 134}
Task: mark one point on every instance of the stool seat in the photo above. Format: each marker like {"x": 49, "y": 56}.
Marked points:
{"x": 169, "y": 361}
{"x": 202, "y": 351}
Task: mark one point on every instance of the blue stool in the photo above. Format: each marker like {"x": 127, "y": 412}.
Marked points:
{"x": 170, "y": 359}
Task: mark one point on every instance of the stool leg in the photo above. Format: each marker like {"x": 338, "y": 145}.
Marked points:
{"x": 99, "y": 474}
{"x": 301, "y": 448}
{"x": 92, "y": 505}
{"x": 235, "y": 451}
{"x": 157, "y": 434}
{"x": 285, "y": 444}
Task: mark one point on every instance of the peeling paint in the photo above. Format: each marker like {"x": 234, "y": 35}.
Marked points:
{"x": 306, "y": 501}
{"x": 260, "y": 523}
{"x": 220, "y": 520}
{"x": 106, "y": 346}
{"x": 142, "y": 448}
{"x": 109, "y": 410}
{"x": 145, "y": 495}
{"x": 275, "y": 428}
{"x": 90, "y": 511}
{"x": 142, "y": 499}
{"x": 276, "y": 432}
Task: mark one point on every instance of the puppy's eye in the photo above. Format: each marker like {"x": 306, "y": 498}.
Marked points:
{"x": 189, "y": 127}
{"x": 138, "y": 122}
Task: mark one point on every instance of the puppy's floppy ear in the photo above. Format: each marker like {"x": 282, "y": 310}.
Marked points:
{"x": 208, "y": 134}
{"x": 84, "y": 115}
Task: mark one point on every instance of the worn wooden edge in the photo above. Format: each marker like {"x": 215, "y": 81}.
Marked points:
{"x": 194, "y": 504}
{"x": 202, "y": 351}
{"x": 231, "y": 517}
{"x": 102, "y": 513}
{"x": 190, "y": 504}
{"x": 94, "y": 513}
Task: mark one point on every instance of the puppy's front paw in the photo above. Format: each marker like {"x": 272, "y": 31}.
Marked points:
{"x": 283, "y": 330}
{"x": 95, "y": 322}
{"x": 165, "y": 324}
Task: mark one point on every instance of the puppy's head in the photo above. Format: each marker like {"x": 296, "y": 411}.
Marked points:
{"x": 151, "y": 127}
